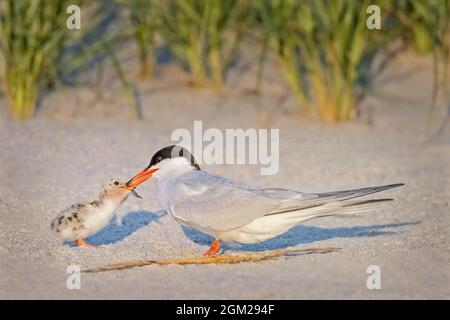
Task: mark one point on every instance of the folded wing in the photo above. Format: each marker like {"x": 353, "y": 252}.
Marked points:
{"x": 212, "y": 203}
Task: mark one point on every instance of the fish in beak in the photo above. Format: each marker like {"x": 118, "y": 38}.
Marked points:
{"x": 140, "y": 177}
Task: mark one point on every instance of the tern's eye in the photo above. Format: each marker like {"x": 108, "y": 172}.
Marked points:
{"x": 158, "y": 159}
{"x": 116, "y": 183}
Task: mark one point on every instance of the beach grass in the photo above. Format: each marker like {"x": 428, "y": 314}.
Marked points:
{"x": 32, "y": 34}
{"x": 322, "y": 47}
{"x": 143, "y": 25}
{"x": 426, "y": 27}
{"x": 203, "y": 35}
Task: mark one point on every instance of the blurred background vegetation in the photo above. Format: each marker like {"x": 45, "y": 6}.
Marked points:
{"x": 324, "y": 49}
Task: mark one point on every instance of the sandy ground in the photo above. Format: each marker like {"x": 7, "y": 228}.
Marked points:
{"x": 77, "y": 142}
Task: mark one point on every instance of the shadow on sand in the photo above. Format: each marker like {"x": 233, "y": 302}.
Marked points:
{"x": 113, "y": 232}
{"x": 302, "y": 235}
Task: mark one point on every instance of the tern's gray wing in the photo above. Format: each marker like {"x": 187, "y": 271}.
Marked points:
{"x": 294, "y": 200}
{"x": 208, "y": 203}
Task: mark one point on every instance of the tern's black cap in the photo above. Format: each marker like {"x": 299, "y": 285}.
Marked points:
{"x": 173, "y": 151}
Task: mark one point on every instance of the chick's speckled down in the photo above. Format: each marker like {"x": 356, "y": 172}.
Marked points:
{"x": 85, "y": 219}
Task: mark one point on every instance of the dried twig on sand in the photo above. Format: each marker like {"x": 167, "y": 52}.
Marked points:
{"x": 219, "y": 259}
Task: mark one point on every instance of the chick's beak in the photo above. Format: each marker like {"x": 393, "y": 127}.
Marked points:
{"x": 140, "y": 178}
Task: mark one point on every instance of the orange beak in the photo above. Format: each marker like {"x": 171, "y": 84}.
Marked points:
{"x": 140, "y": 178}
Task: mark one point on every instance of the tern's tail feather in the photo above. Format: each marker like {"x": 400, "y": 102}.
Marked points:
{"x": 293, "y": 200}
{"x": 296, "y": 207}
{"x": 271, "y": 225}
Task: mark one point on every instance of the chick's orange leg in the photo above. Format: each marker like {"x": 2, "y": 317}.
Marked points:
{"x": 82, "y": 243}
{"x": 215, "y": 247}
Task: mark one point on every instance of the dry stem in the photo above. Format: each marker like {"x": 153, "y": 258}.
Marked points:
{"x": 219, "y": 259}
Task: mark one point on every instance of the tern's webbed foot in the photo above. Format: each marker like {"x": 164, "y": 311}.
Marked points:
{"x": 214, "y": 249}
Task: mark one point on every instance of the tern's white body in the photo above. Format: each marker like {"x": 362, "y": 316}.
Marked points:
{"x": 231, "y": 211}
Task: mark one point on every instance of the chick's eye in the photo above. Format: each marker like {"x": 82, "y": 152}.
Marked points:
{"x": 116, "y": 183}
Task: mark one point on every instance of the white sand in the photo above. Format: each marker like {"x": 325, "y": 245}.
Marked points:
{"x": 67, "y": 153}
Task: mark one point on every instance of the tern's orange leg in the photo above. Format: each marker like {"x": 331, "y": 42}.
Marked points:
{"x": 82, "y": 243}
{"x": 215, "y": 247}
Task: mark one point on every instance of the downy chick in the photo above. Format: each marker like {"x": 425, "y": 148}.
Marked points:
{"x": 82, "y": 220}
